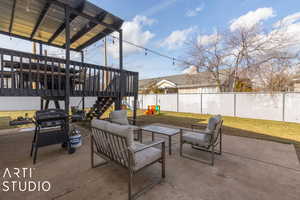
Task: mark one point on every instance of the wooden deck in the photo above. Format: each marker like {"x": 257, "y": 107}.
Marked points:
{"x": 25, "y": 74}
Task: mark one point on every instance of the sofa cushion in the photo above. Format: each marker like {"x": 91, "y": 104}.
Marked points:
{"x": 117, "y": 129}
{"x": 145, "y": 157}
{"x": 100, "y": 124}
{"x": 119, "y": 117}
{"x": 122, "y": 130}
{"x": 196, "y": 138}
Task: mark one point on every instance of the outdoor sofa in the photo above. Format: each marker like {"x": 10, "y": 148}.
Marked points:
{"x": 114, "y": 142}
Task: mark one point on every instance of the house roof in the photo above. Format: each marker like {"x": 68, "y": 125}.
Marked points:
{"x": 43, "y": 21}
{"x": 182, "y": 81}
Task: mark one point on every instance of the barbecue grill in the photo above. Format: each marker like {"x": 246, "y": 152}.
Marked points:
{"x": 50, "y": 129}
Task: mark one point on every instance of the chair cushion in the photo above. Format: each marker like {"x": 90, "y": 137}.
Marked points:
{"x": 145, "y": 157}
{"x": 119, "y": 117}
{"x": 117, "y": 129}
{"x": 212, "y": 122}
{"x": 122, "y": 131}
{"x": 100, "y": 124}
{"x": 196, "y": 138}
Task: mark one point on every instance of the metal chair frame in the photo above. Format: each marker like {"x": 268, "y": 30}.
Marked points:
{"x": 215, "y": 140}
{"x": 112, "y": 147}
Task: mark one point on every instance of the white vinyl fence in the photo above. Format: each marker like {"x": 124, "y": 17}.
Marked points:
{"x": 279, "y": 106}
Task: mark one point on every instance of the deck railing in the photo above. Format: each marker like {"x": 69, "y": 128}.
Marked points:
{"x": 25, "y": 74}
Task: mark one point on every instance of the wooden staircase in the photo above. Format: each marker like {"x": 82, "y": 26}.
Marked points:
{"x": 100, "y": 106}
{"x": 104, "y": 102}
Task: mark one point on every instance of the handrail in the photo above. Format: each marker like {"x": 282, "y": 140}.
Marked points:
{"x": 25, "y": 74}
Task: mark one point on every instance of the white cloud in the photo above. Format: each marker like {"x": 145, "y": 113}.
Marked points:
{"x": 177, "y": 38}
{"x": 133, "y": 32}
{"x": 251, "y": 18}
{"x": 288, "y": 27}
{"x": 194, "y": 12}
{"x": 158, "y": 7}
{"x": 207, "y": 39}
{"x": 191, "y": 70}
{"x": 288, "y": 20}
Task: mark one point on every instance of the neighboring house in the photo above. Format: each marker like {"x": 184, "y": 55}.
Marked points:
{"x": 296, "y": 83}
{"x": 202, "y": 82}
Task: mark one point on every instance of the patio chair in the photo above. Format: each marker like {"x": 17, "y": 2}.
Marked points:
{"x": 120, "y": 117}
{"x": 204, "y": 140}
{"x": 115, "y": 143}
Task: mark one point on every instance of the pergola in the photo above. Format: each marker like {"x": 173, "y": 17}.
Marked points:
{"x": 68, "y": 24}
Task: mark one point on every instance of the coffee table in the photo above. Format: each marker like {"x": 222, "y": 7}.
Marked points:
{"x": 157, "y": 129}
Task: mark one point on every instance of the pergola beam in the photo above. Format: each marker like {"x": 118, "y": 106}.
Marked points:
{"x": 40, "y": 19}
{"x": 12, "y": 16}
{"x": 86, "y": 16}
{"x": 87, "y": 28}
{"x": 33, "y": 40}
{"x": 63, "y": 25}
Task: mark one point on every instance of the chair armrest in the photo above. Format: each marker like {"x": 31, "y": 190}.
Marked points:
{"x": 146, "y": 146}
{"x": 198, "y": 126}
{"x": 131, "y": 121}
{"x": 196, "y": 131}
{"x": 106, "y": 119}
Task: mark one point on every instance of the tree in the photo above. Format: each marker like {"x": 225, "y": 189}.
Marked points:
{"x": 248, "y": 52}
{"x": 209, "y": 57}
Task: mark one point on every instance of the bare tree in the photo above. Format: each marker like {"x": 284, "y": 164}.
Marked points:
{"x": 252, "y": 53}
{"x": 209, "y": 57}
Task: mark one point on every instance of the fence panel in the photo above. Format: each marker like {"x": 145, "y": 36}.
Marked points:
{"x": 190, "y": 103}
{"x": 292, "y": 107}
{"x": 167, "y": 102}
{"x": 257, "y": 106}
{"x": 219, "y": 103}
{"x": 19, "y": 103}
{"x": 148, "y": 100}
{"x": 260, "y": 106}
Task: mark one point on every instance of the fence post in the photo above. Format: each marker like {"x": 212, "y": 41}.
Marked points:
{"x": 201, "y": 103}
{"x": 177, "y": 102}
{"x": 234, "y": 105}
{"x": 283, "y": 106}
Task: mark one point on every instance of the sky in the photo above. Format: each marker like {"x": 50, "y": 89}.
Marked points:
{"x": 166, "y": 26}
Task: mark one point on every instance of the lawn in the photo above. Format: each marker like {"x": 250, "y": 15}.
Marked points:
{"x": 283, "y": 132}
{"x": 277, "y": 131}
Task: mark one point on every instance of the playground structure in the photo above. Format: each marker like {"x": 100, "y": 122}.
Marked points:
{"x": 152, "y": 110}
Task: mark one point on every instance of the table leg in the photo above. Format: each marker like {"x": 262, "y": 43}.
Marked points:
{"x": 141, "y": 136}
{"x": 170, "y": 145}
{"x": 153, "y": 137}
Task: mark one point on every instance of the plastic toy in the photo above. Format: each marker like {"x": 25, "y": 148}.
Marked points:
{"x": 152, "y": 110}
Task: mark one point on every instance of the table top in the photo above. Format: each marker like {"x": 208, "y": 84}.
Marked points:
{"x": 161, "y": 130}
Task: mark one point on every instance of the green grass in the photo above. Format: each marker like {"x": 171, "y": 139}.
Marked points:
{"x": 283, "y": 132}
{"x": 6, "y": 116}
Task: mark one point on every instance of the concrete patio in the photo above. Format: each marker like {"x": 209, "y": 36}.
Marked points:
{"x": 248, "y": 169}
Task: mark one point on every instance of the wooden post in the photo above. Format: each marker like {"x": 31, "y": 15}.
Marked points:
{"x": 136, "y": 86}
{"x": 83, "y": 87}
{"x": 122, "y": 78}
{"x": 41, "y": 53}
{"x": 67, "y": 32}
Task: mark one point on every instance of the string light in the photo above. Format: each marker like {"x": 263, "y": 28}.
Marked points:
{"x": 147, "y": 51}
{"x": 28, "y": 5}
